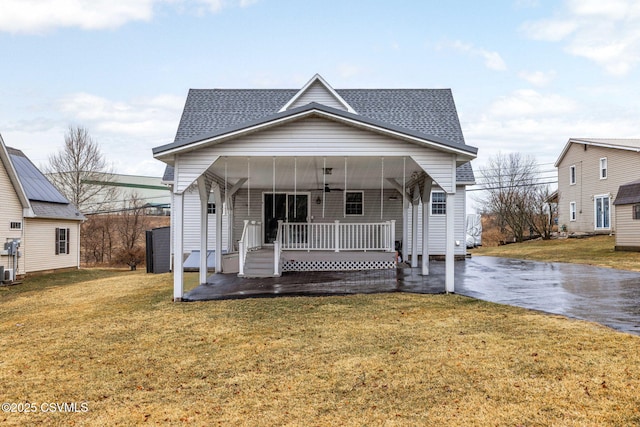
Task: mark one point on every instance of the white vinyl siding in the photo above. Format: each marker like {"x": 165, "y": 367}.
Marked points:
{"x": 315, "y": 137}
{"x": 39, "y": 245}
{"x": 192, "y": 224}
{"x": 317, "y": 93}
{"x": 10, "y": 212}
{"x": 437, "y": 228}
{"x": 628, "y": 233}
{"x": 622, "y": 168}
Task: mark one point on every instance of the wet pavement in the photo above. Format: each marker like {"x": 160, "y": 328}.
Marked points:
{"x": 604, "y": 295}
{"x": 607, "y": 296}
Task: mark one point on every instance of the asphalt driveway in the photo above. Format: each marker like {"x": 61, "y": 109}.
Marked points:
{"x": 603, "y": 295}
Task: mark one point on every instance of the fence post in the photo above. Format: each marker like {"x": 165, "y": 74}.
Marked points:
{"x": 336, "y": 235}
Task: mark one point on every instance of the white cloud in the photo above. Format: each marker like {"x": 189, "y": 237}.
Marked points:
{"x": 39, "y": 16}
{"x": 607, "y": 33}
{"x": 125, "y": 130}
{"x": 537, "y": 78}
{"x": 529, "y": 103}
{"x": 34, "y": 16}
{"x": 492, "y": 60}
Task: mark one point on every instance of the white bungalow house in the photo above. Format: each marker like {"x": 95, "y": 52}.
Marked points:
{"x": 317, "y": 179}
{"x": 39, "y": 228}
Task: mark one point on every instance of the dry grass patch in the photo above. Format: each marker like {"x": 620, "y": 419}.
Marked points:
{"x": 119, "y": 344}
{"x": 596, "y": 250}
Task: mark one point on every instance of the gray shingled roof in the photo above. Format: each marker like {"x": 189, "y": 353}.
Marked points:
{"x": 628, "y": 194}
{"x": 430, "y": 112}
{"x": 46, "y": 201}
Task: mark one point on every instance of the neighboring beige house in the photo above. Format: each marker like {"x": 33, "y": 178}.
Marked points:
{"x": 590, "y": 171}
{"x": 37, "y": 216}
{"x": 627, "y": 217}
{"x": 317, "y": 178}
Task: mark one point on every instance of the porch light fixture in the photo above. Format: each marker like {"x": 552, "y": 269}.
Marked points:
{"x": 327, "y": 171}
{"x": 318, "y": 200}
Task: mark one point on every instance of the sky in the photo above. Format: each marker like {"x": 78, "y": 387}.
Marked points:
{"x": 526, "y": 75}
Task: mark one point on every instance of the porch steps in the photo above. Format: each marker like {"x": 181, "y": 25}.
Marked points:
{"x": 259, "y": 263}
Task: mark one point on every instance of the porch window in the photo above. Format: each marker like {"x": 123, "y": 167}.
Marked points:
{"x": 572, "y": 175}
{"x": 636, "y": 211}
{"x": 572, "y": 211}
{"x": 62, "y": 241}
{"x": 438, "y": 203}
{"x": 603, "y": 168}
{"x": 211, "y": 204}
{"x": 353, "y": 203}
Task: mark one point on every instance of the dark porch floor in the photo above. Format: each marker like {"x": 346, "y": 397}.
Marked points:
{"x": 322, "y": 283}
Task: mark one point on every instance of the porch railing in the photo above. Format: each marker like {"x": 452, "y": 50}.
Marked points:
{"x": 250, "y": 240}
{"x": 337, "y": 236}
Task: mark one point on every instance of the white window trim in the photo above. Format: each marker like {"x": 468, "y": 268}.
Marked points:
{"x": 431, "y": 203}
{"x": 595, "y": 211}
{"x": 573, "y": 177}
{"x": 344, "y": 207}
{"x": 605, "y": 168}
{"x": 573, "y": 212}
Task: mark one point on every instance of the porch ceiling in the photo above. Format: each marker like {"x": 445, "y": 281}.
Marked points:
{"x": 306, "y": 173}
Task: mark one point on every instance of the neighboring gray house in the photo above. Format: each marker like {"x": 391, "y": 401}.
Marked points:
{"x": 590, "y": 171}
{"x": 34, "y": 212}
{"x": 317, "y": 179}
{"x": 627, "y": 217}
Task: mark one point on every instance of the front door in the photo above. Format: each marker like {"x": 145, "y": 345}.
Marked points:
{"x": 603, "y": 216}
{"x": 287, "y": 207}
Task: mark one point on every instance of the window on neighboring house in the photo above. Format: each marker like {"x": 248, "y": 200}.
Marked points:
{"x": 438, "y": 203}
{"x": 572, "y": 175}
{"x": 572, "y": 211}
{"x": 15, "y": 225}
{"x": 636, "y": 211}
{"x": 211, "y": 208}
{"x": 62, "y": 241}
{"x": 353, "y": 203}
{"x": 603, "y": 168}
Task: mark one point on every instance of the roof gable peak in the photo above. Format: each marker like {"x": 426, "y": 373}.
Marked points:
{"x": 318, "y": 90}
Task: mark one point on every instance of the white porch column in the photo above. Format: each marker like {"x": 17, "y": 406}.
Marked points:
{"x": 414, "y": 226}
{"x": 218, "y": 200}
{"x": 450, "y": 244}
{"x": 177, "y": 211}
{"x": 426, "y": 197}
{"x": 203, "y": 190}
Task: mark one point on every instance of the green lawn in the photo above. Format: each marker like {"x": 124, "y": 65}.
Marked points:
{"x": 114, "y": 342}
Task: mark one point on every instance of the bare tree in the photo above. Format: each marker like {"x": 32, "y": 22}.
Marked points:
{"x": 514, "y": 196}
{"x": 81, "y": 172}
{"x": 132, "y": 224}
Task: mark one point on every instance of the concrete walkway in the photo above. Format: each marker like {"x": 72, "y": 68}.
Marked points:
{"x": 607, "y": 296}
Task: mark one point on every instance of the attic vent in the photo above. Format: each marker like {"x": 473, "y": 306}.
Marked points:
{"x": 15, "y": 225}
{"x": 327, "y": 171}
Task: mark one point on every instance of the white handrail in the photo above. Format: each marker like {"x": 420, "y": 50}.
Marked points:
{"x": 337, "y": 236}
{"x": 250, "y": 240}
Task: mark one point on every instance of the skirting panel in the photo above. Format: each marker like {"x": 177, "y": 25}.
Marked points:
{"x": 337, "y": 265}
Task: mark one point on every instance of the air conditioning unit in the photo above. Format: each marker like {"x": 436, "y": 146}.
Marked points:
{"x": 9, "y": 275}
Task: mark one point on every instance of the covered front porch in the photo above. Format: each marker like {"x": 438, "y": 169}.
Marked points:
{"x": 310, "y": 213}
